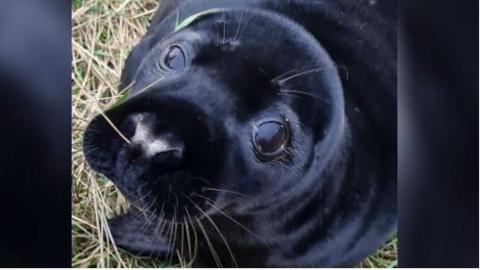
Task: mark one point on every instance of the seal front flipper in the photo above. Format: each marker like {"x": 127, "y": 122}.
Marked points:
{"x": 136, "y": 233}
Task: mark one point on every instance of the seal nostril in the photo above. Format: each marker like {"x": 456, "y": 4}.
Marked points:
{"x": 170, "y": 158}
{"x": 134, "y": 152}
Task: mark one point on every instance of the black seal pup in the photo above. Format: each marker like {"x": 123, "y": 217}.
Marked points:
{"x": 256, "y": 133}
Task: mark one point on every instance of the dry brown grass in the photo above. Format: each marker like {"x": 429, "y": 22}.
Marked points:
{"x": 103, "y": 33}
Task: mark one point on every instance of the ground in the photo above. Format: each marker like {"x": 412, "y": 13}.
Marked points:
{"x": 103, "y": 32}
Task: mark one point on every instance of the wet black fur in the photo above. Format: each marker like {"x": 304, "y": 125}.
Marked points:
{"x": 330, "y": 200}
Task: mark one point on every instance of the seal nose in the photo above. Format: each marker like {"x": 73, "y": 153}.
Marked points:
{"x": 170, "y": 155}
{"x": 162, "y": 149}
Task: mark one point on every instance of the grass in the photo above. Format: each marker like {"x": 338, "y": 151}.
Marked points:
{"x": 103, "y": 32}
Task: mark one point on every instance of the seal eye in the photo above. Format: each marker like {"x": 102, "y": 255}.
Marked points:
{"x": 173, "y": 59}
{"x": 270, "y": 138}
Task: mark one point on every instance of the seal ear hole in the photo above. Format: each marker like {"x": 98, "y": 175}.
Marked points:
{"x": 270, "y": 138}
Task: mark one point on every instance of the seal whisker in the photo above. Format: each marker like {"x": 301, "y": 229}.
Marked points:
{"x": 212, "y": 249}
{"x": 144, "y": 209}
{"x": 169, "y": 192}
{"x": 170, "y": 242}
{"x": 145, "y": 196}
{"x": 179, "y": 256}
{"x": 296, "y": 75}
{"x": 147, "y": 208}
{"x": 238, "y": 28}
{"x": 181, "y": 242}
{"x": 283, "y": 74}
{"x": 224, "y": 27}
{"x": 140, "y": 208}
{"x": 187, "y": 234}
{"x": 163, "y": 222}
{"x": 156, "y": 232}
{"x": 298, "y": 92}
{"x": 211, "y": 203}
{"x": 149, "y": 219}
{"x": 195, "y": 248}
{"x": 160, "y": 221}
{"x": 174, "y": 234}
{"x": 168, "y": 236}
{"x": 218, "y": 34}
{"x": 218, "y": 230}
{"x": 228, "y": 191}
{"x": 245, "y": 27}
{"x": 203, "y": 180}
{"x": 238, "y": 223}
{"x": 176, "y": 200}
{"x": 202, "y": 229}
